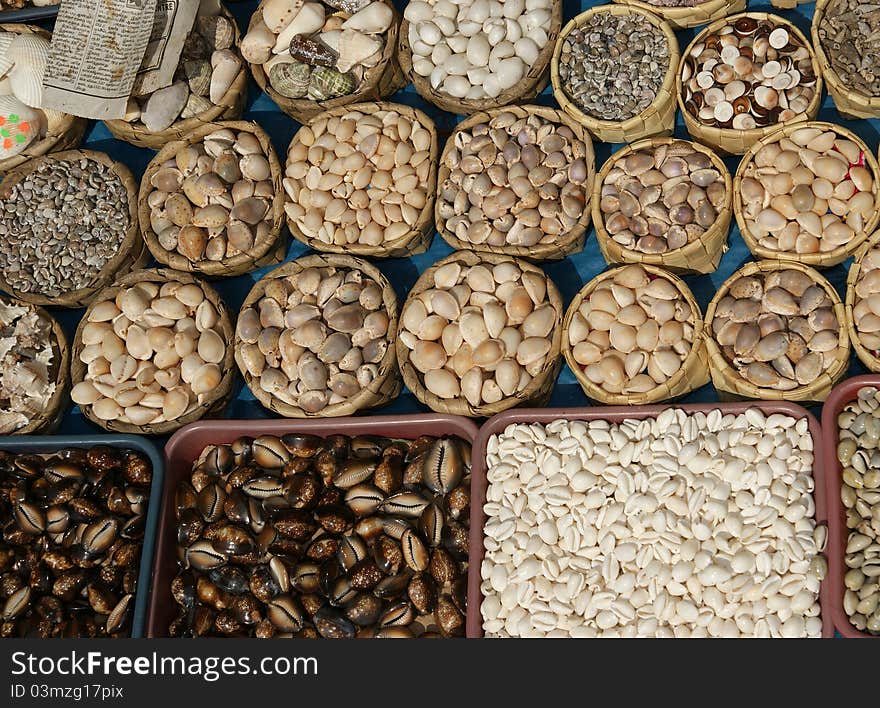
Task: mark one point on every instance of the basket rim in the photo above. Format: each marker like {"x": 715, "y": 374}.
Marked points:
{"x": 820, "y": 259}
{"x": 802, "y": 391}
{"x": 224, "y": 328}
{"x": 426, "y": 214}
{"x": 679, "y": 16}
{"x": 294, "y": 106}
{"x": 459, "y": 405}
{"x": 625, "y": 151}
{"x": 387, "y": 365}
{"x": 249, "y": 259}
{"x": 832, "y": 78}
{"x": 655, "y": 394}
{"x": 666, "y": 87}
{"x": 533, "y": 253}
{"x": 466, "y": 106}
{"x": 108, "y": 271}
{"x": 867, "y": 357}
{"x": 720, "y": 135}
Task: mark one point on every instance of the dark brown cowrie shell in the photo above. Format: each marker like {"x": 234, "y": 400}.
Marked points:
{"x": 301, "y": 490}
{"x": 268, "y": 451}
{"x": 227, "y": 623}
{"x": 393, "y": 633}
{"x": 414, "y": 552}
{"x": 312, "y": 603}
{"x": 442, "y": 467}
{"x": 364, "y": 609}
{"x": 365, "y": 446}
{"x": 456, "y": 540}
{"x": 431, "y": 524}
{"x": 137, "y": 469}
{"x": 219, "y": 459}
{"x": 394, "y": 526}
{"x": 449, "y": 619}
{"x": 399, "y": 613}
{"x": 351, "y": 550}
{"x": 183, "y": 588}
{"x": 233, "y": 541}
{"x": 99, "y": 535}
{"x": 202, "y": 556}
{"x": 306, "y": 577}
{"x": 322, "y": 548}
{"x": 458, "y": 501}
{"x": 389, "y": 474}
{"x": 133, "y": 528}
{"x": 101, "y": 599}
{"x": 364, "y": 499}
{"x": 103, "y": 457}
{"x": 408, "y": 504}
{"x": 294, "y": 523}
{"x": 302, "y": 445}
{"x": 285, "y": 613}
{"x": 354, "y": 472}
{"x": 263, "y": 487}
{"x": 84, "y": 510}
{"x": 30, "y": 518}
{"x": 419, "y": 447}
{"x": 341, "y": 592}
{"x": 185, "y": 497}
{"x": 422, "y": 593}
{"x": 210, "y": 502}
{"x": 369, "y": 528}
{"x": 280, "y": 573}
{"x": 332, "y": 625}
{"x": 189, "y": 527}
{"x": 57, "y": 471}
{"x": 17, "y": 603}
{"x": 119, "y": 615}
{"x": 236, "y": 508}
{"x": 247, "y": 609}
{"x": 388, "y": 555}
{"x": 443, "y": 567}
{"x": 262, "y": 585}
{"x": 57, "y": 519}
{"x": 335, "y": 518}
{"x": 365, "y": 575}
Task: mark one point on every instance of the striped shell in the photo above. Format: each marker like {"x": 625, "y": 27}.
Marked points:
{"x": 198, "y": 76}
{"x": 290, "y": 79}
{"x": 328, "y": 83}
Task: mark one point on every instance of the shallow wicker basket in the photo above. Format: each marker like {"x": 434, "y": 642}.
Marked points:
{"x": 131, "y": 255}
{"x": 524, "y": 90}
{"x": 567, "y": 243}
{"x": 418, "y": 238}
{"x": 849, "y": 103}
{"x": 379, "y": 81}
{"x": 656, "y": 119}
{"x": 48, "y": 420}
{"x": 267, "y": 251}
{"x": 383, "y": 389}
{"x": 230, "y": 107}
{"x": 816, "y": 260}
{"x": 694, "y": 371}
{"x": 700, "y": 256}
{"x": 866, "y": 355}
{"x": 538, "y": 390}
{"x": 729, "y": 141}
{"x": 63, "y": 132}
{"x": 730, "y": 385}
{"x": 219, "y": 397}
{"x": 685, "y": 17}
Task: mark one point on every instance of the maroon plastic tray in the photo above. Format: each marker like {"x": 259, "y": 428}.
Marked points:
{"x": 186, "y": 445}
{"x": 616, "y": 414}
{"x": 837, "y": 531}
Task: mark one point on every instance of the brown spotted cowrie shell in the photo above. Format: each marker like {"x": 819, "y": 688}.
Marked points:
{"x": 324, "y": 328}
{"x": 498, "y": 341}
{"x": 791, "y": 335}
{"x": 360, "y": 180}
{"x": 228, "y": 206}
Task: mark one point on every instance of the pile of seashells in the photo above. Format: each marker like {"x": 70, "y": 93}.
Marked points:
{"x": 749, "y": 74}
{"x": 866, "y": 301}
{"x": 153, "y": 353}
{"x": 209, "y": 64}
{"x": 633, "y": 332}
{"x": 476, "y": 49}
{"x": 518, "y": 181}
{"x": 778, "y": 329}
{"x": 23, "y": 60}
{"x": 29, "y": 364}
{"x": 662, "y": 197}
{"x": 318, "y": 50}
{"x": 480, "y": 332}
{"x": 213, "y": 199}
{"x": 360, "y": 178}
{"x": 812, "y": 191}
{"x": 316, "y": 336}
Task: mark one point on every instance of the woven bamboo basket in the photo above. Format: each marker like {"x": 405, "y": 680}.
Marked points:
{"x": 523, "y": 91}
{"x": 267, "y": 251}
{"x": 728, "y": 141}
{"x": 685, "y": 17}
{"x": 700, "y": 256}
{"x": 131, "y": 255}
{"x": 656, "y": 119}
{"x": 385, "y": 387}
{"x": 866, "y": 355}
{"x": 63, "y": 131}
{"x": 730, "y": 385}
{"x": 48, "y": 419}
{"x": 379, "y": 82}
{"x": 816, "y": 260}
{"x": 853, "y": 104}
{"x": 418, "y": 238}
{"x": 694, "y": 371}
{"x": 538, "y": 390}
{"x": 213, "y": 404}
{"x": 567, "y": 243}
{"x": 788, "y": 4}
{"x": 230, "y": 107}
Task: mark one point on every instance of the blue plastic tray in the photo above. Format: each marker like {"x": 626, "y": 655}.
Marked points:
{"x": 54, "y": 443}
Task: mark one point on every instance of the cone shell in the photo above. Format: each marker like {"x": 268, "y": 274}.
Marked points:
{"x": 329, "y": 83}
{"x": 375, "y": 18}
{"x": 226, "y": 65}
{"x": 290, "y": 79}
{"x": 277, "y": 14}
{"x": 354, "y": 47}
{"x": 308, "y": 20}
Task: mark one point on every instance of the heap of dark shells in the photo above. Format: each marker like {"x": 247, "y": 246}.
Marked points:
{"x": 339, "y": 537}
{"x": 73, "y": 527}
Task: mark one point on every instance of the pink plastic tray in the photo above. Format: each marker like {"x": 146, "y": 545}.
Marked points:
{"x": 186, "y": 445}
{"x": 837, "y": 531}
{"x": 616, "y": 414}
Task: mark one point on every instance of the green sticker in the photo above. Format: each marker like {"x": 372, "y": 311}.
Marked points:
{"x": 20, "y": 138}
{"x": 5, "y": 132}
{"x": 13, "y": 117}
